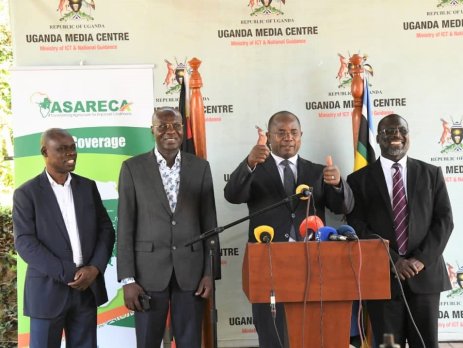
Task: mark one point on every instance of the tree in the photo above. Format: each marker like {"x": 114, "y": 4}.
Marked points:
{"x": 8, "y": 300}
{"x": 6, "y": 134}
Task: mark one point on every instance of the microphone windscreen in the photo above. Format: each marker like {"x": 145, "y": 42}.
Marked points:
{"x": 310, "y": 225}
{"x": 325, "y": 232}
{"x": 303, "y": 188}
{"x": 264, "y": 231}
{"x": 348, "y": 231}
{"x": 345, "y": 229}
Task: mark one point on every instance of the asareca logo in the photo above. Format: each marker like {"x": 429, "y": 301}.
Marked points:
{"x": 76, "y": 108}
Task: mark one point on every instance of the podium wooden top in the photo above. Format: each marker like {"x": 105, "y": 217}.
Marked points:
{"x": 333, "y": 271}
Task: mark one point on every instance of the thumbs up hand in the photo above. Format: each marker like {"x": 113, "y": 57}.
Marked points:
{"x": 260, "y": 151}
{"x": 331, "y": 173}
{"x": 262, "y": 140}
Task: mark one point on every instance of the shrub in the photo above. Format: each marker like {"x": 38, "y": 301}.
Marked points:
{"x": 8, "y": 296}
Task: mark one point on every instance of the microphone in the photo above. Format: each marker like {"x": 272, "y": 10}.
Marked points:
{"x": 328, "y": 233}
{"x": 310, "y": 225}
{"x": 348, "y": 232}
{"x": 264, "y": 233}
{"x": 304, "y": 191}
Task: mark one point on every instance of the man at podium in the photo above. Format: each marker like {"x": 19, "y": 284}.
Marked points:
{"x": 270, "y": 173}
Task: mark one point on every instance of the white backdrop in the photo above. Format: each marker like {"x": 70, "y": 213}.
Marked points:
{"x": 257, "y": 61}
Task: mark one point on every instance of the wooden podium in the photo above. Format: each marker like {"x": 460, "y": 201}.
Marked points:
{"x": 336, "y": 273}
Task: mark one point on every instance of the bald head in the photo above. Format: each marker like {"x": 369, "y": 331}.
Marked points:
{"x": 165, "y": 112}
{"x": 280, "y": 116}
{"x": 52, "y": 134}
{"x": 59, "y": 151}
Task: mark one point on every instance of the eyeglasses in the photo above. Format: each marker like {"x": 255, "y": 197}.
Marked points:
{"x": 388, "y": 132}
{"x": 294, "y": 133}
{"x": 165, "y": 126}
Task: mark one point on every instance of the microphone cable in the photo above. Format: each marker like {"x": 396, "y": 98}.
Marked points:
{"x": 273, "y": 310}
{"x": 360, "y": 322}
{"x": 401, "y": 288}
{"x": 320, "y": 280}
{"x": 307, "y": 273}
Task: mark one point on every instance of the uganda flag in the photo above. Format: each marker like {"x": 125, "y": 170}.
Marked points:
{"x": 365, "y": 152}
{"x": 184, "y": 108}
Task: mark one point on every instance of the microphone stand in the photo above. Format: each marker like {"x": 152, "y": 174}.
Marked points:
{"x": 220, "y": 229}
{"x": 213, "y": 307}
{"x": 212, "y": 245}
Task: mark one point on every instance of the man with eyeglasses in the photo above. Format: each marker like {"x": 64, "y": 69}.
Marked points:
{"x": 405, "y": 201}
{"x": 166, "y": 199}
{"x": 262, "y": 179}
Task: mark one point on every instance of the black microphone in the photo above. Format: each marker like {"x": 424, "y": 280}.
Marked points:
{"x": 348, "y": 232}
{"x": 304, "y": 191}
{"x": 328, "y": 233}
{"x": 264, "y": 234}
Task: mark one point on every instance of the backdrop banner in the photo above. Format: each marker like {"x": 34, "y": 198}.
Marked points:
{"x": 258, "y": 57}
{"x": 108, "y": 112}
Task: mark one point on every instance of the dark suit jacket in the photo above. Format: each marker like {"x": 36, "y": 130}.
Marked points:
{"x": 42, "y": 240}
{"x": 430, "y": 218}
{"x": 150, "y": 238}
{"x": 263, "y": 187}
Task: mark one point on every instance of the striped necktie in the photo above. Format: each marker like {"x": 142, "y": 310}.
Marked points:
{"x": 399, "y": 209}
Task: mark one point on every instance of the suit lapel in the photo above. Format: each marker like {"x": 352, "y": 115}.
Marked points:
{"x": 153, "y": 174}
{"x": 412, "y": 179}
{"x": 271, "y": 168}
{"x": 79, "y": 204}
{"x": 304, "y": 173}
{"x": 55, "y": 211}
{"x": 185, "y": 178}
{"x": 378, "y": 177}
{"x": 273, "y": 173}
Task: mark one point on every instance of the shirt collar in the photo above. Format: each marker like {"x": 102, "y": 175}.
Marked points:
{"x": 387, "y": 163}
{"x": 54, "y": 183}
{"x": 160, "y": 159}
{"x": 279, "y": 159}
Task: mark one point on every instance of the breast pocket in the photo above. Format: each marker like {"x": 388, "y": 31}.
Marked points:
{"x": 144, "y": 246}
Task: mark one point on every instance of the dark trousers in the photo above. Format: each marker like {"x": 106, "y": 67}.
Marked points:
{"x": 272, "y": 334}
{"x": 391, "y": 316}
{"x": 186, "y": 311}
{"x": 78, "y": 320}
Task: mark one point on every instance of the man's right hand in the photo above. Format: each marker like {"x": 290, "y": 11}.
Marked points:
{"x": 131, "y": 293}
{"x": 260, "y": 151}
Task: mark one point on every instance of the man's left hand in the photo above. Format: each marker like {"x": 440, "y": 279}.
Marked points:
{"x": 205, "y": 287}
{"x": 331, "y": 173}
{"x": 408, "y": 268}
{"x": 84, "y": 277}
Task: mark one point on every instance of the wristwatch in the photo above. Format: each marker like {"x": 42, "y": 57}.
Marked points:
{"x": 128, "y": 280}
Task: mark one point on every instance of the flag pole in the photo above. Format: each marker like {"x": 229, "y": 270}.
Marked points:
{"x": 356, "y": 70}
{"x": 198, "y": 128}
{"x": 198, "y": 120}
{"x": 357, "y": 89}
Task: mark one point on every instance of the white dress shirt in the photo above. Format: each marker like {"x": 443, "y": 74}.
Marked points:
{"x": 388, "y": 171}
{"x": 281, "y": 169}
{"x": 63, "y": 194}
